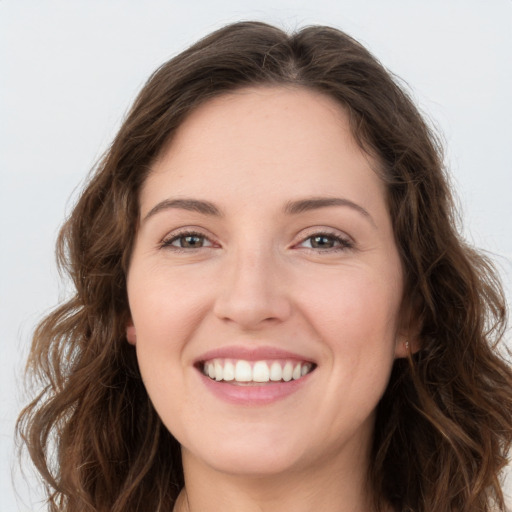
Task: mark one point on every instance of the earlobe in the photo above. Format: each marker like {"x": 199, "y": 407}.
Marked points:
{"x": 408, "y": 340}
{"x": 131, "y": 335}
{"x": 406, "y": 347}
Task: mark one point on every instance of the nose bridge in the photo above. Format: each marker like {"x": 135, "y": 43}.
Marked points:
{"x": 251, "y": 289}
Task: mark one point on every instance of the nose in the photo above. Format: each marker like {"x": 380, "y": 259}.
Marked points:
{"x": 252, "y": 291}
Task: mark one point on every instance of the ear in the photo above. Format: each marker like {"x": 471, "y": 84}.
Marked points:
{"x": 406, "y": 345}
{"x": 131, "y": 335}
{"x": 408, "y": 340}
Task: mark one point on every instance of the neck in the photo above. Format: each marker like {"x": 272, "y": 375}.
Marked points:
{"x": 324, "y": 487}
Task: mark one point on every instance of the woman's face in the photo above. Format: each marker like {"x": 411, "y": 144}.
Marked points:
{"x": 265, "y": 285}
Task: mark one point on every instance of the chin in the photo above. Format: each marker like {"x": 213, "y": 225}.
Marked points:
{"x": 250, "y": 455}
{"x": 255, "y": 465}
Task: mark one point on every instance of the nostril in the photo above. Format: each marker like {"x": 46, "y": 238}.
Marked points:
{"x": 252, "y": 313}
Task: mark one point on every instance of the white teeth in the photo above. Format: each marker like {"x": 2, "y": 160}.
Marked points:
{"x": 243, "y": 371}
{"x": 219, "y": 371}
{"x": 257, "y": 371}
{"x": 229, "y": 371}
{"x": 288, "y": 372}
{"x": 260, "y": 372}
{"x": 276, "y": 372}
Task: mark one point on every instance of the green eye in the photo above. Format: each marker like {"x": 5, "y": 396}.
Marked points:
{"x": 187, "y": 241}
{"x": 326, "y": 241}
{"x": 322, "y": 242}
{"x": 190, "y": 241}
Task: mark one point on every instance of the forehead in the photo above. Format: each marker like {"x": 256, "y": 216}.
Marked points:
{"x": 262, "y": 116}
{"x": 273, "y": 141}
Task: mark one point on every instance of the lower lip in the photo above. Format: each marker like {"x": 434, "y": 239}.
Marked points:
{"x": 253, "y": 394}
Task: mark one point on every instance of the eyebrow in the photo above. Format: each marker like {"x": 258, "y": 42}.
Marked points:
{"x": 192, "y": 205}
{"x": 291, "y": 207}
{"x": 314, "y": 203}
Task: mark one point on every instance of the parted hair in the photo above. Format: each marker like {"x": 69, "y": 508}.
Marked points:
{"x": 444, "y": 425}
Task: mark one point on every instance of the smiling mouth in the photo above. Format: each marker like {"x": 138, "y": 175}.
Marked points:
{"x": 242, "y": 372}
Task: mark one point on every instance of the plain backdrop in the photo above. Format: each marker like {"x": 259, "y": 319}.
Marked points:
{"x": 69, "y": 70}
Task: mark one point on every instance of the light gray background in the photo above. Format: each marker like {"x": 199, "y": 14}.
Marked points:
{"x": 69, "y": 69}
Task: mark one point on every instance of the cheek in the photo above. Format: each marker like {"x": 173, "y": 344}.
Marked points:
{"x": 357, "y": 321}
{"x": 354, "y": 319}
{"x": 165, "y": 307}
{"x": 357, "y": 309}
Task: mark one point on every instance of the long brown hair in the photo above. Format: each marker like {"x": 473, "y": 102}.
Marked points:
{"x": 444, "y": 425}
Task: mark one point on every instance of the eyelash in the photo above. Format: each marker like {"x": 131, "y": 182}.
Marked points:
{"x": 168, "y": 242}
{"x": 344, "y": 243}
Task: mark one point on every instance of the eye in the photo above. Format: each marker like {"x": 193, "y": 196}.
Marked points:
{"x": 188, "y": 240}
{"x": 327, "y": 242}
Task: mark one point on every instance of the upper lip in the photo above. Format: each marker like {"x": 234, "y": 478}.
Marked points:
{"x": 257, "y": 353}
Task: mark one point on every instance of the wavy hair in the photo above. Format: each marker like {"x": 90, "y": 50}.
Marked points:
{"x": 444, "y": 426}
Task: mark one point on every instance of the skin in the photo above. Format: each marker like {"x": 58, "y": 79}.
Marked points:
{"x": 255, "y": 278}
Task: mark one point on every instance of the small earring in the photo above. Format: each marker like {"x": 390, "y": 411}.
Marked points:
{"x": 407, "y": 346}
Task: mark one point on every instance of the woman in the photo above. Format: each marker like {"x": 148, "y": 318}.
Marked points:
{"x": 273, "y": 308}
